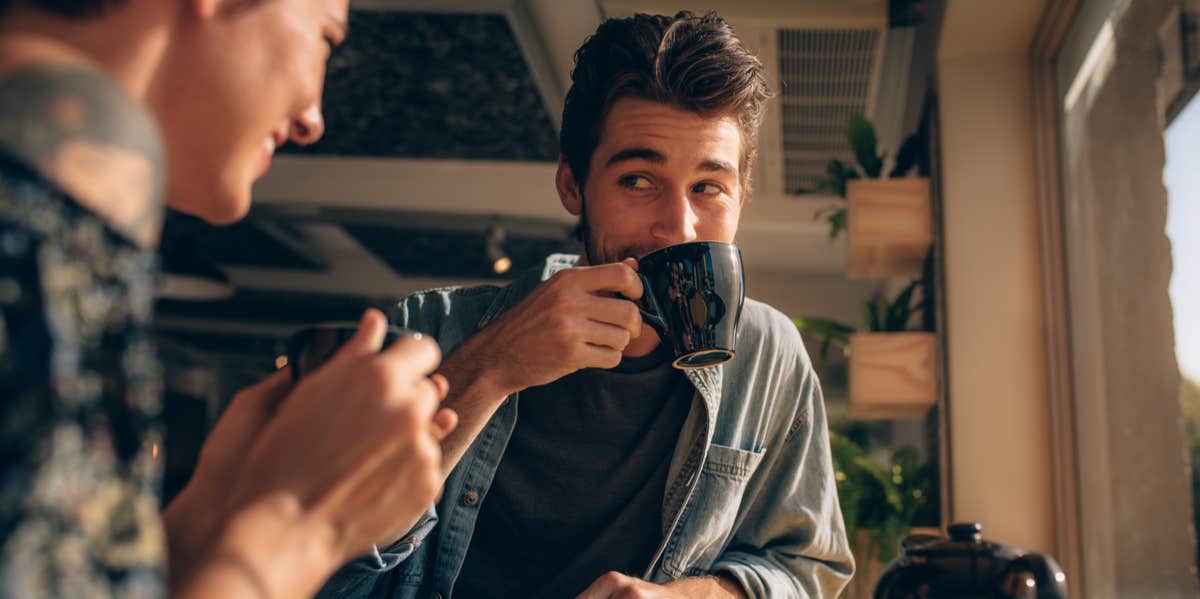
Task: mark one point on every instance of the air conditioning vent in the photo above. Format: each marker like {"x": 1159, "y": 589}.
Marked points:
{"x": 826, "y": 76}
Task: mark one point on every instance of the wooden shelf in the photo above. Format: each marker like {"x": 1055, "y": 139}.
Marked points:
{"x": 892, "y": 375}
{"x": 889, "y": 227}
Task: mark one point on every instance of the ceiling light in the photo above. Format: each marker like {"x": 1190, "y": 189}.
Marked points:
{"x": 494, "y": 248}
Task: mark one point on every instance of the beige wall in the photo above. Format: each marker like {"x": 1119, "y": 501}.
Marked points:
{"x": 999, "y": 419}
{"x": 811, "y": 294}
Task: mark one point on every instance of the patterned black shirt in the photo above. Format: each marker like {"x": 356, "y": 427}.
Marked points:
{"x": 79, "y": 386}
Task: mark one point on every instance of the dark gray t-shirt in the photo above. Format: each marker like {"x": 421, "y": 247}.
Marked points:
{"x": 579, "y": 491}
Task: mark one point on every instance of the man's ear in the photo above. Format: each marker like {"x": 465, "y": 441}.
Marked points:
{"x": 569, "y": 192}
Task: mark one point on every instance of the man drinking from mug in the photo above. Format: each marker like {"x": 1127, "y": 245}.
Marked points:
{"x": 583, "y": 462}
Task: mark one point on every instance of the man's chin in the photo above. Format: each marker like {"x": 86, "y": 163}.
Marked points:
{"x": 213, "y": 206}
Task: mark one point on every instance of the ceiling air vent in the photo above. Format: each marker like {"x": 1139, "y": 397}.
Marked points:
{"x": 826, "y": 76}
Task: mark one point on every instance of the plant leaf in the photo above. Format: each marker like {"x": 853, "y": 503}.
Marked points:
{"x": 824, "y": 352}
{"x": 901, "y": 310}
{"x": 840, "y": 188}
{"x": 871, "y": 315}
{"x": 871, "y": 499}
{"x": 835, "y": 215}
{"x": 824, "y": 212}
{"x": 837, "y": 174}
{"x": 862, "y": 140}
{"x": 828, "y": 331}
{"x": 837, "y": 223}
{"x": 906, "y": 158}
{"x": 823, "y": 326}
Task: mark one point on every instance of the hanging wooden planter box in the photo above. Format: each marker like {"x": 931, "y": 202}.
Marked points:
{"x": 889, "y": 227}
{"x": 892, "y": 375}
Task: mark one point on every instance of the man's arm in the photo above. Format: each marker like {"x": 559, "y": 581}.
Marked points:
{"x": 615, "y": 584}
{"x": 794, "y": 545}
{"x": 256, "y": 556}
{"x": 569, "y": 322}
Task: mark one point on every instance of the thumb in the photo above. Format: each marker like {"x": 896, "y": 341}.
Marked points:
{"x": 444, "y": 423}
{"x": 368, "y": 339}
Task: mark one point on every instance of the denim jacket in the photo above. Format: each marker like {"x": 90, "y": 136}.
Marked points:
{"x": 750, "y": 492}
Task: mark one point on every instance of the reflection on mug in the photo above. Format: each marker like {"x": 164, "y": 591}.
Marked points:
{"x": 693, "y": 299}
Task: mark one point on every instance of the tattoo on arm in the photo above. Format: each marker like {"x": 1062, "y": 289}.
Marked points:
{"x": 85, "y": 134}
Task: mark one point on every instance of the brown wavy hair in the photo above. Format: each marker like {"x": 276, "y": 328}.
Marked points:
{"x": 68, "y": 8}
{"x": 696, "y": 63}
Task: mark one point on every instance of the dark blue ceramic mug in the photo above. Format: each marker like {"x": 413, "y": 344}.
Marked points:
{"x": 309, "y": 347}
{"x": 693, "y": 294}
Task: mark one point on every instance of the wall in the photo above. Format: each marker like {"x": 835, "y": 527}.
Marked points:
{"x": 811, "y": 294}
{"x": 998, "y": 413}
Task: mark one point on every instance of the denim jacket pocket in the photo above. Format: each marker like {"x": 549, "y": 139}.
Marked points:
{"x": 707, "y": 522}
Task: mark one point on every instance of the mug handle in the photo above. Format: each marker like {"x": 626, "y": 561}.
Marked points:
{"x": 648, "y": 306}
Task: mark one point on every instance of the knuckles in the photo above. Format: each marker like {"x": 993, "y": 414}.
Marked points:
{"x": 562, "y": 277}
{"x": 413, "y": 353}
{"x": 564, "y": 302}
{"x": 614, "y": 579}
{"x": 633, "y": 317}
{"x": 632, "y": 281}
{"x": 624, "y": 337}
{"x": 428, "y": 457}
{"x": 613, "y": 359}
{"x": 381, "y": 381}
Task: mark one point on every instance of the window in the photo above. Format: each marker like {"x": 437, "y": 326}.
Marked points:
{"x": 1182, "y": 177}
{"x": 1135, "y": 510}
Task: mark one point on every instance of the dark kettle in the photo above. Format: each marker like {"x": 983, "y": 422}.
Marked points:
{"x": 965, "y": 566}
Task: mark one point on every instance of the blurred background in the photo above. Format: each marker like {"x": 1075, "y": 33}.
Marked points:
{"x": 1046, "y": 336}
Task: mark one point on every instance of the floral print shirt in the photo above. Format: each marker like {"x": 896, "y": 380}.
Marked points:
{"x": 79, "y": 380}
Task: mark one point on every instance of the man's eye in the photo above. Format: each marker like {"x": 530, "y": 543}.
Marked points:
{"x": 707, "y": 189}
{"x": 635, "y": 182}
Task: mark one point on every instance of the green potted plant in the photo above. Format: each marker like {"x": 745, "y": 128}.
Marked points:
{"x": 888, "y": 220}
{"x": 892, "y": 368}
{"x": 880, "y": 504}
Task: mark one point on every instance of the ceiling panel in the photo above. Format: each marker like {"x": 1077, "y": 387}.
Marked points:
{"x": 826, "y": 77}
{"x": 425, "y": 85}
{"x": 244, "y": 243}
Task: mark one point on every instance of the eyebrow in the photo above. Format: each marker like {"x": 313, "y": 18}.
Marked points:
{"x": 656, "y": 157}
{"x": 712, "y": 165}
{"x": 646, "y": 154}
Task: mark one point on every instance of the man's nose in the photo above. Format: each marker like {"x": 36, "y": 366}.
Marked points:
{"x": 308, "y": 127}
{"x": 675, "y": 221}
